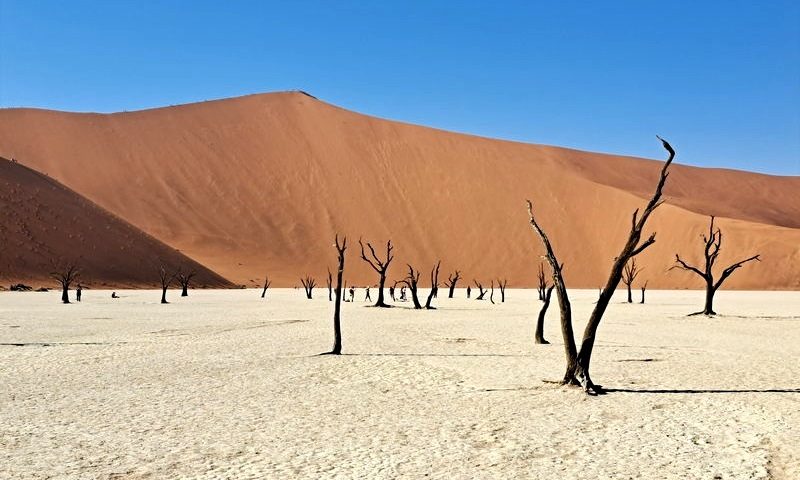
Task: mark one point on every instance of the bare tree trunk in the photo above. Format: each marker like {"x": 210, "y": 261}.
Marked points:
{"x": 64, "y": 293}
{"x": 539, "y": 337}
{"x": 451, "y": 283}
{"x": 481, "y": 291}
{"x": 434, "y": 286}
{"x": 491, "y": 295}
{"x": 412, "y": 281}
{"x": 643, "y": 288}
{"x": 164, "y": 295}
{"x": 308, "y": 285}
{"x": 502, "y": 284}
{"x": 267, "y": 283}
{"x": 337, "y": 309}
{"x": 380, "y": 266}
{"x": 330, "y": 286}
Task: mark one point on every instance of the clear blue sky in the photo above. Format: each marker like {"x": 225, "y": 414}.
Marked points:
{"x": 720, "y": 80}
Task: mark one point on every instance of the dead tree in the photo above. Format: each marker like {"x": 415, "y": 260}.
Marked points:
{"x": 502, "y": 284}
{"x": 539, "y": 336}
{"x": 308, "y": 285}
{"x": 578, "y": 361}
{"x": 166, "y": 279}
{"x": 542, "y": 288}
{"x": 267, "y": 283}
{"x": 491, "y": 295}
{"x": 412, "y": 280}
{"x": 452, "y": 279}
{"x": 434, "y": 286}
{"x": 380, "y": 266}
{"x": 481, "y": 291}
{"x": 337, "y": 306}
{"x": 713, "y": 242}
{"x": 184, "y": 279}
{"x": 644, "y": 287}
{"x": 66, "y": 275}
{"x": 629, "y": 274}
{"x": 330, "y": 285}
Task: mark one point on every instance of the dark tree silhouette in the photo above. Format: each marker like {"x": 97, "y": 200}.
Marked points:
{"x": 578, "y": 362}
{"x": 452, "y": 279}
{"x": 308, "y": 285}
{"x": 713, "y": 242}
{"x": 542, "y": 288}
{"x": 412, "y": 280}
{"x": 539, "y": 336}
{"x": 267, "y": 284}
{"x": 629, "y": 274}
{"x": 380, "y": 266}
{"x": 644, "y": 287}
{"x": 481, "y": 291}
{"x": 491, "y": 294}
{"x": 166, "y": 280}
{"x": 502, "y": 284}
{"x": 434, "y": 286}
{"x": 184, "y": 279}
{"x": 330, "y": 285}
{"x": 66, "y": 275}
{"x": 337, "y": 306}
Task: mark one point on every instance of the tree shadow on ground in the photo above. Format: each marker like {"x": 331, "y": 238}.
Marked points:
{"x": 704, "y": 390}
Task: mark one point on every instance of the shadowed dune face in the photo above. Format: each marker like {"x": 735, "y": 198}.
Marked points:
{"x": 44, "y": 223}
{"x": 260, "y": 184}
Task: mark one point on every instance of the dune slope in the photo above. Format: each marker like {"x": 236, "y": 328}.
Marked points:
{"x": 260, "y": 184}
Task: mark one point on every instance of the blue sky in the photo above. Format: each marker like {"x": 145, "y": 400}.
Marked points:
{"x": 720, "y": 80}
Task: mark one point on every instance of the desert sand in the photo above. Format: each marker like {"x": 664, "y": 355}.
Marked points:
{"x": 223, "y": 384}
{"x": 260, "y": 184}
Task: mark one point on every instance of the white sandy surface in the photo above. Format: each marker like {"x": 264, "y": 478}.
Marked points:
{"x": 223, "y": 384}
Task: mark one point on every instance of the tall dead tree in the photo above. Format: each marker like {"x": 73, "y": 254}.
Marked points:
{"x": 539, "y": 336}
{"x": 643, "y": 288}
{"x": 66, "y": 275}
{"x": 481, "y": 290}
{"x": 337, "y": 306}
{"x": 308, "y": 285}
{"x": 330, "y": 285}
{"x": 542, "y": 288}
{"x": 380, "y": 266}
{"x": 452, "y": 279}
{"x": 434, "y": 286}
{"x": 713, "y": 242}
{"x": 267, "y": 283}
{"x": 166, "y": 279}
{"x": 578, "y": 361}
{"x": 629, "y": 274}
{"x": 184, "y": 279}
{"x": 412, "y": 280}
{"x": 502, "y": 284}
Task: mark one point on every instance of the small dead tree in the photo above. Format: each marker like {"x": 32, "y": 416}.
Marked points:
{"x": 412, "y": 280}
{"x": 502, "y": 284}
{"x": 184, "y": 279}
{"x": 542, "y": 288}
{"x": 539, "y": 336}
{"x": 166, "y": 279}
{"x": 644, "y": 287}
{"x": 578, "y": 362}
{"x": 308, "y": 285}
{"x": 66, "y": 275}
{"x": 267, "y": 284}
{"x": 481, "y": 290}
{"x": 713, "y": 242}
{"x": 434, "y": 286}
{"x": 330, "y": 285}
{"x": 452, "y": 279}
{"x": 337, "y": 306}
{"x": 491, "y": 295}
{"x": 380, "y": 266}
{"x": 629, "y": 274}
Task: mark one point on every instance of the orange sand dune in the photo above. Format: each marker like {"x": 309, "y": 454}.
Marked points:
{"x": 44, "y": 224}
{"x": 260, "y": 184}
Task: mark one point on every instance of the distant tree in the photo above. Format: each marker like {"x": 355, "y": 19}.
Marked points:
{"x": 713, "y": 242}
{"x": 166, "y": 279}
{"x": 578, "y": 362}
{"x": 434, "y": 286}
{"x": 502, "y": 284}
{"x": 491, "y": 293}
{"x": 267, "y": 284}
{"x": 184, "y": 279}
{"x": 481, "y": 291}
{"x": 308, "y": 285}
{"x": 452, "y": 279}
{"x": 542, "y": 288}
{"x": 380, "y": 266}
{"x": 66, "y": 274}
{"x": 539, "y": 336}
{"x": 629, "y": 274}
{"x": 337, "y": 306}
{"x": 412, "y": 280}
{"x": 644, "y": 287}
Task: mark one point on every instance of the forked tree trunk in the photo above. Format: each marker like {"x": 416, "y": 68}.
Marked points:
{"x": 337, "y": 308}
{"x": 380, "y": 267}
{"x": 434, "y": 286}
{"x": 539, "y": 337}
{"x": 413, "y": 281}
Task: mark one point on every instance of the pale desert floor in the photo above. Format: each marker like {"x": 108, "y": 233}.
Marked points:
{"x": 223, "y": 384}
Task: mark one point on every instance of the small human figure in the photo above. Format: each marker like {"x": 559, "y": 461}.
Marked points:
{"x": 78, "y": 292}
{"x": 402, "y": 294}
{"x": 391, "y": 293}
{"x": 114, "y": 295}
{"x": 368, "y": 298}
{"x": 469, "y": 290}
{"x": 352, "y": 293}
